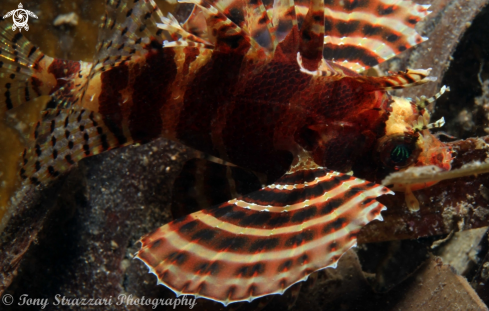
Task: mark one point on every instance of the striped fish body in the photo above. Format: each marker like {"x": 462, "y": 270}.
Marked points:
{"x": 250, "y": 87}
{"x": 272, "y": 88}
{"x": 250, "y": 115}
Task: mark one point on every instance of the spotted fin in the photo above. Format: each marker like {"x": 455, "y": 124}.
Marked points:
{"x": 22, "y": 69}
{"x": 125, "y": 29}
{"x": 26, "y": 73}
{"x": 264, "y": 242}
{"x": 62, "y": 138}
{"x": 72, "y": 130}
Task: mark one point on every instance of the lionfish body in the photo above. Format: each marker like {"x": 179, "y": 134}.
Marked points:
{"x": 272, "y": 88}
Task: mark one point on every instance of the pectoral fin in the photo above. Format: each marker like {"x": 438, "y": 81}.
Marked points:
{"x": 264, "y": 242}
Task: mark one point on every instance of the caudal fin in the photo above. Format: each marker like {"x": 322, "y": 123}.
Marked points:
{"x": 78, "y": 127}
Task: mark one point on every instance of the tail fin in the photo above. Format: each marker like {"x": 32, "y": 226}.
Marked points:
{"x": 73, "y": 129}
{"x": 266, "y": 241}
{"x": 26, "y": 75}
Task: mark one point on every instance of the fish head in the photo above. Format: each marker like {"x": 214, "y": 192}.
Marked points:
{"x": 408, "y": 141}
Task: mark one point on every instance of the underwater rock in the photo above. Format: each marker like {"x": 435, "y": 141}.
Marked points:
{"x": 438, "y": 287}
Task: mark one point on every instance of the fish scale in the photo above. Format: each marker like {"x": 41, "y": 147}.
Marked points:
{"x": 272, "y": 88}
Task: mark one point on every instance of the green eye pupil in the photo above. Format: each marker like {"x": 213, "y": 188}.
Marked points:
{"x": 400, "y": 154}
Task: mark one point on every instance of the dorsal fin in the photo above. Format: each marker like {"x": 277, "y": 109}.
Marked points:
{"x": 234, "y": 19}
{"x": 312, "y": 36}
{"x": 287, "y": 29}
{"x": 353, "y": 34}
{"x": 196, "y": 23}
{"x": 261, "y": 27}
{"x": 224, "y": 34}
{"x": 179, "y": 34}
{"x": 284, "y": 17}
{"x": 126, "y": 29}
{"x": 252, "y": 17}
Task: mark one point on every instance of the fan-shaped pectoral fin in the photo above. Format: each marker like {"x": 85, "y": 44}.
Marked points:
{"x": 264, "y": 242}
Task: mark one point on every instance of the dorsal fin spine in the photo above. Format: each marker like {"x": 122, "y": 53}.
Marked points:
{"x": 172, "y": 28}
{"x": 312, "y": 36}
{"x": 262, "y": 12}
{"x": 210, "y": 11}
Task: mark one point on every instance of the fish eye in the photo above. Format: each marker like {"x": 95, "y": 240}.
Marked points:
{"x": 398, "y": 151}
